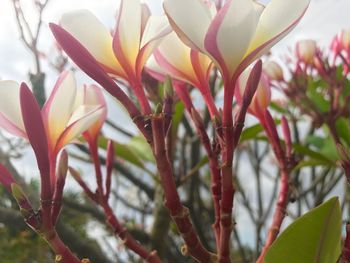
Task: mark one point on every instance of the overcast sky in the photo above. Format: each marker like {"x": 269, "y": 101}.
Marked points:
{"x": 323, "y": 20}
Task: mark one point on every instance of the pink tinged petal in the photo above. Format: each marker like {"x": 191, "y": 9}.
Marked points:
{"x": 262, "y": 96}
{"x": 6, "y": 178}
{"x": 190, "y": 19}
{"x": 93, "y": 35}
{"x": 263, "y": 93}
{"x": 175, "y": 59}
{"x": 59, "y": 107}
{"x": 10, "y": 110}
{"x": 306, "y": 50}
{"x": 230, "y": 33}
{"x": 35, "y": 129}
{"x": 201, "y": 65}
{"x": 345, "y": 39}
{"x": 81, "y": 120}
{"x": 156, "y": 29}
{"x": 155, "y": 70}
{"x": 145, "y": 15}
{"x": 127, "y": 35}
{"x": 94, "y": 97}
{"x": 173, "y": 71}
{"x": 85, "y": 61}
{"x": 276, "y": 21}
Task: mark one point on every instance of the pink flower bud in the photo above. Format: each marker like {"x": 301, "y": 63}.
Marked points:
{"x": 345, "y": 39}
{"x": 262, "y": 97}
{"x": 273, "y": 71}
{"x": 306, "y": 51}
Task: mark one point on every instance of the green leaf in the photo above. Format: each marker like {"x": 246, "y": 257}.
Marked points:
{"x": 140, "y": 146}
{"x": 251, "y": 132}
{"x": 343, "y": 128}
{"x": 313, "y": 154}
{"x": 179, "y": 110}
{"x": 124, "y": 152}
{"x": 313, "y": 238}
{"x": 308, "y": 163}
{"x": 316, "y": 95}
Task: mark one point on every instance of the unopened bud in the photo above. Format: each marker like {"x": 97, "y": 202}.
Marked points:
{"x": 259, "y": 94}
{"x": 197, "y": 119}
{"x": 168, "y": 87}
{"x": 273, "y": 71}
{"x": 21, "y": 199}
{"x": 17, "y": 193}
{"x": 158, "y": 109}
{"x": 345, "y": 39}
{"x": 306, "y": 51}
{"x": 62, "y": 165}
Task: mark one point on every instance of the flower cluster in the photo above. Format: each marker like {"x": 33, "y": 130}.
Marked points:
{"x": 189, "y": 43}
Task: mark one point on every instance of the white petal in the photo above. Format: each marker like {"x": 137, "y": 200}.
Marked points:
{"x": 94, "y": 96}
{"x": 10, "y": 108}
{"x": 59, "y": 107}
{"x": 176, "y": 53}
{"x": 82, "y": 111}
{"x": 93, "y": 35}
{"x": 236, "y": 31}
{"x": 278, "y": 17}
{"x": 81, "y": 120}
{"x": 190, "y": 19}
{"x": 154, "y": 28}
{"x": 128, "y": 30}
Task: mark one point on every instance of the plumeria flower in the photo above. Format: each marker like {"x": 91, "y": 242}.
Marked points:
{"x": 93, "y": 96}
{"x": 240, "y": 32}
{"x": 306, "y": 51}
{"x": 64, "y": 119}
{"x": 124, "y": 53}
{"x": 262, "y": 96}
{"x": 174, "y": 58}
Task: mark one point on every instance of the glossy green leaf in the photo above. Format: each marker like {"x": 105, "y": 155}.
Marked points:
{"x": 140, "y": 146}
{"x": 179, "y": 110}
{"x": 343, "y": 128}
{"x": 124, "y": 152}
{"x": 316, "y": 95}
{"x": 311, "y": 153}
{"x": 251, "y": 132}
{"x": 313, "y": 238}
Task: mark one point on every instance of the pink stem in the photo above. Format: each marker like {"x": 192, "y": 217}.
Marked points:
{"x": 178, "y": 212}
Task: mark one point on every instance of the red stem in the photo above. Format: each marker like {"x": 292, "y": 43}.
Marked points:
{"x": 178, "y": 212}
{"x": 57, "y": 199}
{"x": 94, "y": 154}
{"x": 283, "y": 195}
{"x": 124, "y": 235}
{"x": 141, "y": 97}
{"x": 345, "y": 255}
{"x": 46, "y": 204}
{"x": 209, "y": 101}
{"x": 214, "y": 172}
{"x": 227, "y": 188}
{"x": 129, "y": 241}
{"x": 279, "y": 214}
{"x": 63, "y": 253}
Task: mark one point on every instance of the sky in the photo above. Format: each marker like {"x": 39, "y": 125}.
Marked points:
{"x": 321, "y": 22}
